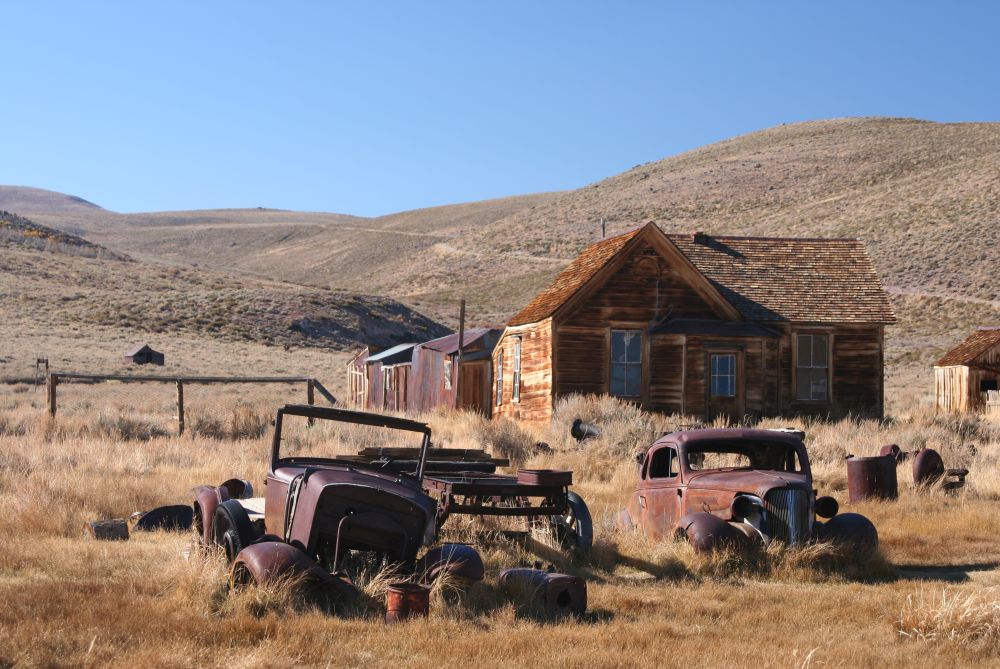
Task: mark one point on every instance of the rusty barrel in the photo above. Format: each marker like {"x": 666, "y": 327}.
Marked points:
{"x": 873, "y": 477}
{"x": 406, "y": 600}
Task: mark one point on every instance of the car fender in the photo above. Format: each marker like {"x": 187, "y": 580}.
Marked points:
{"x": 266, "y": 561}
{"x": 848, "y": 528}
{"x": 708, "y": 533}
{"x": 207, "y": 500}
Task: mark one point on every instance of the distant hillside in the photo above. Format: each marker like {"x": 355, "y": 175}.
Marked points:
{"x": 69, "y": 294}
{"x": 17, "y": 230}
{"x": 925, "y": 198}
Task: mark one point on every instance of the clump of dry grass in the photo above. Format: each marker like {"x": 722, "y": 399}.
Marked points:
{"x": 969, "y": 619}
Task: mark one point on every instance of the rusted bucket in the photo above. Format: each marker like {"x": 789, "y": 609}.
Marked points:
{"x": 869, "y": 478}
{"x": 406, "y": 600}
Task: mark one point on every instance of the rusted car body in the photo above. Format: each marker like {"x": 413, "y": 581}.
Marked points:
{"x": 735, "y": 487}
{"x": 315, "y": 509}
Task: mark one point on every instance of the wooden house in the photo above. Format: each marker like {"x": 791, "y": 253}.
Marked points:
{"x": 437, "y": 374}
{"x": 142, "y": 354}
{"x": 357, "y": 378}
{"x": 388, "y": 375}
{"x": 702, "y": 326}
{"x": 967, "y": 375}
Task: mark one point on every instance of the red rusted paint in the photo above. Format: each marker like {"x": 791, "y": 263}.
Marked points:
{"x": 872, "y": 478}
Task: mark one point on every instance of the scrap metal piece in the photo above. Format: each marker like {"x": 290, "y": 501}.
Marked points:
{"x": 871, "y": 478}
{"x": 461, "y": 561}
{"x": 107, "y": 530}
{"x": 556, "y": 595}
{"x": 406, "y": 600}
{"x": 849, "y": 528}
{"x": 545, "y": 476}
{"x": 582, "y": 430}
{"x": 173, "y": 517}
{"x": 928, "y": 467}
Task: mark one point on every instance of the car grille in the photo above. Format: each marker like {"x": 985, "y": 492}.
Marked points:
{"x": 787, "y": 515}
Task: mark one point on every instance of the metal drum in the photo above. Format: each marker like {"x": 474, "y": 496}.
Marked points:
{"x": 406, "y": 600}
{"x": 872, "y": 478}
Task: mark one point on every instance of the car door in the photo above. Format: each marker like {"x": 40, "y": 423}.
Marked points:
{"x": 659, "y": 492}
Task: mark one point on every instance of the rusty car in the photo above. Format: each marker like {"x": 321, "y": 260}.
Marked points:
{"x": 386, "y": 500}
{"x": 735, "y": 487}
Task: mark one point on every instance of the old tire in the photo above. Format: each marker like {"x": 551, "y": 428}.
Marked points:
{"x": 576, "y": 528}
{"x": 232, "y": 528}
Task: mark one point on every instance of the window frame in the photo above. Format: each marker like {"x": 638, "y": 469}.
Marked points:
{"x": 639, "y": 364}
{"x": 515, "y": 394}
{"x": 498, "y": 381}
{"x": 712, "y": 355}
{"x": 796, "y": 366}
{"x": 674, "y": 460}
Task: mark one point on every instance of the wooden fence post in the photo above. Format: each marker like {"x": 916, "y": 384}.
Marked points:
{"x": 310, "y": 398}
{"x": 53, "y": 382}
{"x": 180, "y": 407}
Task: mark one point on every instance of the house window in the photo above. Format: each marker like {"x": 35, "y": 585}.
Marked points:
{"x": 515, "y": 394}
{"x": 723, "y": 375}
{"x": 499, "y": 378}
{"x": 447, "y": 373}
{"x": 626, "y": 363}
{"x": 812, "y": 367}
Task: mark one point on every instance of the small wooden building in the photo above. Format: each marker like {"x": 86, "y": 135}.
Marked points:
{"x": 966, "y": 376}
{"x": 357, "y": 378}
{"x": 702, "y": 326}
{"x": 142, "y": 354}
{"x": 388, "y": 378}
{"x": 437, "y": 374}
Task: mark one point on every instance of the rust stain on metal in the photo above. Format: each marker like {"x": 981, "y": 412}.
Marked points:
{"x": 406, "y": 600}
{"x": 872, "y": 478}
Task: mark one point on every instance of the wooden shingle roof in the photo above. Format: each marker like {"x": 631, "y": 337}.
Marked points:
{"x": 786, "y": 279}
{"x": 974, "y": 346}
{"x": 573, "y": 278}
{"x": 764, "y": 278}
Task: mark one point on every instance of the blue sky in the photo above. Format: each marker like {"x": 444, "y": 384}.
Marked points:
{"x": 373, "y": 107}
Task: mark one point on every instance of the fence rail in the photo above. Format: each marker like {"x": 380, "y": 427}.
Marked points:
{"x": 54, "y": 379}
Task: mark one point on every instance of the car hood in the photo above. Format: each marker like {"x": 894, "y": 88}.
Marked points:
{"x": 756, "y": 481}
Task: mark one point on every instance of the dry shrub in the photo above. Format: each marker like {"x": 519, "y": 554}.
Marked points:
{"x": 247, "y": 423}
{"x": 11, "y": 428}
{"x": 970, "y": 619}
{"x": 126, "y": 428}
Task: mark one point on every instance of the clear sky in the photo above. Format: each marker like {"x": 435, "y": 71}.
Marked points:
{"x": 373, "y": 107}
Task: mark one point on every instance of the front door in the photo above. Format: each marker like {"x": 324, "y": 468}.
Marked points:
{"x": 473, "y": 390}
{"x": 725, "y": 385}
{"x": 659, "y": 493}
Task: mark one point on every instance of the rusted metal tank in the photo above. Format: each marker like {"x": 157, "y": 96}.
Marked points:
{"x": 555, "y": 595}
{"x": 872, "y": 478}
{"x": 406, "y": 600}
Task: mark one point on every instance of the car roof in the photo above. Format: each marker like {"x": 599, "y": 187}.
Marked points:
{"x": 691, "y": 437}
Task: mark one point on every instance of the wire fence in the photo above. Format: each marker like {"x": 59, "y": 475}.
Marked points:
{"x": 148, "y": 406}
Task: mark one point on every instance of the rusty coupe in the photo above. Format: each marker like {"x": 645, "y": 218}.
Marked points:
{"x": 736, "y": 488}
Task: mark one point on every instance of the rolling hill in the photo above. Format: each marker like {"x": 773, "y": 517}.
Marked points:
{"x": 925, "y": 198}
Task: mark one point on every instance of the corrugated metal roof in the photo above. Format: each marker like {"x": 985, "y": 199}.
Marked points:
{"x": 974, "y": 346}
{"x": 764, "y": 278}
{"x": 449, "y": 343}
{"x": 396, "y": 354}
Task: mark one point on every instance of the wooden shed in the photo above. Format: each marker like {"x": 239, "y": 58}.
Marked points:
{"x": 967, "y": 375}
{"x": 437, "y": 374}
{"x": 142, "y": 354}
{"x": 357, "y": 378}
{"x": 703, "y": 326}
{"x": 388, "y": 378}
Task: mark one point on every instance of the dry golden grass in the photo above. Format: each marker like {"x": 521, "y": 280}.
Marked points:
{"x": 154, "y": 601}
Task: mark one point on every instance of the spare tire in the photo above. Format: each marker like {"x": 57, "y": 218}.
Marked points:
{"x": 232, "y": 529}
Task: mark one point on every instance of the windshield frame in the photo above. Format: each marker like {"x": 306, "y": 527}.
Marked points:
{"x": 748, "y": 446}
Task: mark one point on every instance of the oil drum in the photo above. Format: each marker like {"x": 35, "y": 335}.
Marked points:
{"x": 872, "y": 478}
{"x": 406, "y": 600}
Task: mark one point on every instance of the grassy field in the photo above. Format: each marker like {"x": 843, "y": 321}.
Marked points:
{"x": 931, "y": 597}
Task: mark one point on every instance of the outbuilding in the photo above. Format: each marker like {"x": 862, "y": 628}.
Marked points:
{"x": 142, "y": 354}
{"x": 388, "y": 378}
{"x": 967, "y": 378}
{"x": 439, "y": 372}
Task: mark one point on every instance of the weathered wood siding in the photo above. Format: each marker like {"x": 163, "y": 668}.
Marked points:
{"x": 643, "y": 290}
{"x": 583, "y": 361}
{"x": 535, "y": 403}
{"x": 666, "y": 373}
{"x": 959, "y": 387}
